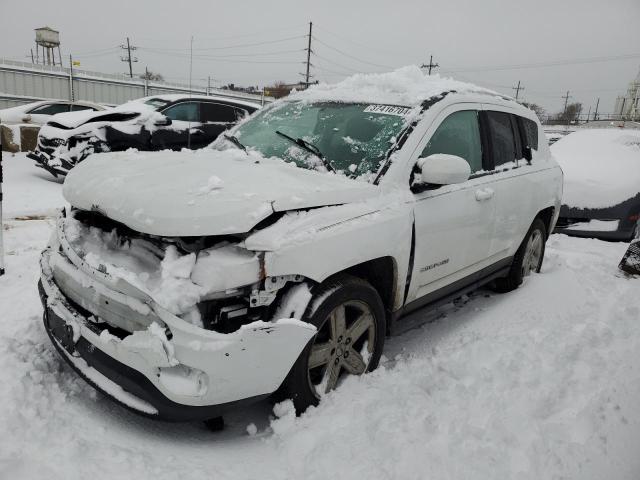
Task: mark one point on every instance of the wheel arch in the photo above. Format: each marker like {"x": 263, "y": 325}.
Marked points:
{"x": 547, "y": 216}
{"x": 382, "y": 274}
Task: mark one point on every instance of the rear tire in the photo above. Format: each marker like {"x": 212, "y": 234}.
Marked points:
{"x": 350, "y": 318}
{"x": 527, "y": 259}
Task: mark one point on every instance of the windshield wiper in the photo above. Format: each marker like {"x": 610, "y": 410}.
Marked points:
{"x": 309, "y": 147}
{"x": 233, "y": 139}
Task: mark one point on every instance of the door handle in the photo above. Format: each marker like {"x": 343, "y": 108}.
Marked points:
{"x": 484, "y": 194}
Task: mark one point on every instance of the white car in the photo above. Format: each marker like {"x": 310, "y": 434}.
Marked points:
{"x": 39, "y": 113}
{"x": 183, "y": 283}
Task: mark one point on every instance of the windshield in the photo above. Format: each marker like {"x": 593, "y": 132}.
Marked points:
{"x": 348, "y": 137}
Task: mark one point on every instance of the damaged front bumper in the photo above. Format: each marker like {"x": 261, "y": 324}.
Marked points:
{"x": 172, "y": 370}
{"x": 44, "y": 161}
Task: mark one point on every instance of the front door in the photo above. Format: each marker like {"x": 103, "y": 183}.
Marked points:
{"x": 185, "y": 130}
{"x": 453, "y": 223}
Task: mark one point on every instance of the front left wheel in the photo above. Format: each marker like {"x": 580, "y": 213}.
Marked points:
{"x": 350, "y": 318}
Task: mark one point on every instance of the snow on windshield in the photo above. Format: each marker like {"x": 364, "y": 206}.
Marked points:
{"x": 351, "y": 138}
{"x": 601, "y": 167}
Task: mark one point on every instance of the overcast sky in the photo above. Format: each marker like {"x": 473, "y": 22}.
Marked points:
{"x": 253, "y": 42}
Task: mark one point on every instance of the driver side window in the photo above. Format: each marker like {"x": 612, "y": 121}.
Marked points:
{"x": 458, "y": 134}
{"x": 186, "y": 112}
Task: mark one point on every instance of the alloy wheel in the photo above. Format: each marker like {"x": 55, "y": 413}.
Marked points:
{"x": 343, "y": 345}
{"x": 533, "y": 253}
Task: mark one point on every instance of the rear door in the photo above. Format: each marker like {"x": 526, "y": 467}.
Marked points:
{"x": 453, "y": 223}
{"x": 218, "y": 117}
{"x": 512, "y": 182}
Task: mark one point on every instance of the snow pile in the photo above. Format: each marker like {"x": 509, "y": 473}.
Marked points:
{"x": 601, "y": 167}
{"x": 404, "y": 86}
{"x": 28, "y": 191}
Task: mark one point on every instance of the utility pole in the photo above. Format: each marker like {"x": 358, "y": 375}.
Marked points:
{"x": 517, "y": 89}
{"x": 146, "y": 81}
{"x": 71, "y": 92}
{"x": 431, "y": 64}
{"x": 566, "y": 100}
{"x": 307, "y": 75}
{"x": 208, "y": 85}
{"x": 595, "y": 114}
{"x": 32, "y": 61}
{"x": 128, "y": 58}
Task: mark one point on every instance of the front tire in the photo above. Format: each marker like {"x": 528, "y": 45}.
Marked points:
{"x": 350, "y": 318}
{"x": 527, "y": 259}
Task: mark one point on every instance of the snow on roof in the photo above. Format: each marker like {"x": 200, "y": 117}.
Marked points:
{"x": 407, "y": 86}
{"x": 601, "y": 166}
{"x": 172, "y": 97}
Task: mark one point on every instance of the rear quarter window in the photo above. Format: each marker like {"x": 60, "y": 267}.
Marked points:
{"x": 530, "y": 131}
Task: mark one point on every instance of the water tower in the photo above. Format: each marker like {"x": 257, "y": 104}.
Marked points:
{"x": 48, "y": 39}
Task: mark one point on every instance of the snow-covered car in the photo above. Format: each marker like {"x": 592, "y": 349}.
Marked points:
{"x": 150, "y": 123}
{"x": 38, "y": 113}
{"x": 601, "y": 183}
{"x": 184, "y": 283}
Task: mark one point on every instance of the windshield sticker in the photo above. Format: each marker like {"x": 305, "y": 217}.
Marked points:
{"x": 388, "y": 110}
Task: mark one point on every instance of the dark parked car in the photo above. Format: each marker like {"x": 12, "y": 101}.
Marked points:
{"x": 151, "y": 123}
{"x": 601, "y": 197}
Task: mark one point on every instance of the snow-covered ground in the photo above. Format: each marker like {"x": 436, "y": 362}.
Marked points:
{"x": 28, "y": 190}
{"x": 543, "y": 382}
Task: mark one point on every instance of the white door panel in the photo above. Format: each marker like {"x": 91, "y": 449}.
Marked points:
{"x": 453, "y": 233}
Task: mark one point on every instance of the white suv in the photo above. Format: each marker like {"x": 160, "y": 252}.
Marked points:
{"x": 278, "y": 259}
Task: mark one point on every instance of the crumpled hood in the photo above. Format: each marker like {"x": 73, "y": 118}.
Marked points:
{"x": 206, "y": 192}
{"x": 75, "y": 119}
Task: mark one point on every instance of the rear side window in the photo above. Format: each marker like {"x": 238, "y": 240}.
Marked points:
{"x": 51, "y": 109}
{"x": 503, "y": 141}
{"x": 216, "y": 112}
{"x": 530, "y": 131}
{"x": 458, "y": 134}
{"x": 76, "y": 108}
{"x": 187, "y": 112}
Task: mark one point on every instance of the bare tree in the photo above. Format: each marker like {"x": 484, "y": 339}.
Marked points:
{"x": 149, "y": 75}
{"x": 536, "y": 108}
{"x": 571, "y": 113}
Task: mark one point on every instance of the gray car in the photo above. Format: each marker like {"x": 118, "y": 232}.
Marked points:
{"x": 601, "y": 197}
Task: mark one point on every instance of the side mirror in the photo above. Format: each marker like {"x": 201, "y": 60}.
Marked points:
{"x": 26, "y": 118}
{"x": 443, "y": 169}
{"x": 526, "y": 153}
{"x": 163, "y": 122}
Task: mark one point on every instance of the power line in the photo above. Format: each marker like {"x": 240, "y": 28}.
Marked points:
{"x": 241, "y": 45}
{"x": 351, "y": 56}
{"x": 219, "y": 58}
{"x": 249, "y": 55}
{"x": 368, "y": 47}
{"x": 555, "y": 63}
{"x": 353, "y": 70}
